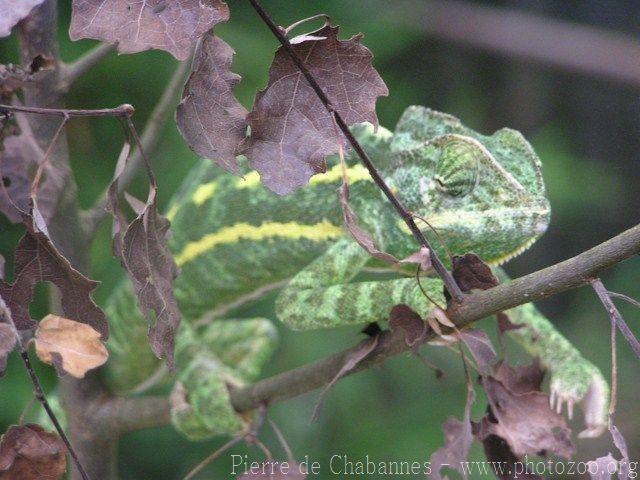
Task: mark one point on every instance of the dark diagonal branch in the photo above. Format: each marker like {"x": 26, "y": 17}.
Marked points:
{"x": 616, "y": 317}
{"x": 572, "y": 273}
{"x": 37, "y": 388}
{"x": 439, "y": 267}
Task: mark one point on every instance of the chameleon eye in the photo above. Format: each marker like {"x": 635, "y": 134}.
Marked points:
{"x": 457, "y": 169}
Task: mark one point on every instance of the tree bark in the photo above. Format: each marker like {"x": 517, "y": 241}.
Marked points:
{"x": 95, "y": 444}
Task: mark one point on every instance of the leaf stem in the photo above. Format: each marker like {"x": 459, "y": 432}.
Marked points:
{"x": 445, "y": 275}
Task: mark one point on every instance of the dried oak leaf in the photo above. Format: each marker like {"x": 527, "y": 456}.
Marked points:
{"x": 12, "y": 11}
{"x": 72, "y": 347}
{"x": 525, "y": 421}
{"x": 471, "y": 273}
{"x": 458, "y": 437}
{"x": 170, "y": 25}
{"x": 291, "y": 130}
{"x": 274, "y": 470}
{"x": 520, "y": 379}
{"x": 209, "y": 117}
{"x": 7, "y": 344}
{"x": 144, "y": 254}
{"x": 404, "y": 318}
{"x": 38, "y": 260}
{"x": 351, "y": 361}
{"x": 28, "y": 452}
{"x": 479, "y": 344}
{"x": 18, "y": 165}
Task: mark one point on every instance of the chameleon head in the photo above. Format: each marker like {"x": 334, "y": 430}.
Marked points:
{"x": 481, "y": 194}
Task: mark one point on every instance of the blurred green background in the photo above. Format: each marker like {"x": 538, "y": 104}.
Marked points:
{"x": 584, "y": 129}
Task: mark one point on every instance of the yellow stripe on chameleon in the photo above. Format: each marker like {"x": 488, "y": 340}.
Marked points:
{"x": 356, "y": 173}
{"x": 204, "y": 192}
{"x": 171, "y": 214}
{"x": 243, "y": 231}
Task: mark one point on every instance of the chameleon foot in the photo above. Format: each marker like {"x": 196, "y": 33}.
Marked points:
{"x": 581, "y": 384}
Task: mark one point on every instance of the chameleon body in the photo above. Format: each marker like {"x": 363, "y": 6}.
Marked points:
{"x": 234, "y": 240}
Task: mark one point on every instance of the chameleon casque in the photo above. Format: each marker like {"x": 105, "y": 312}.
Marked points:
{"x": 234, "y": 240}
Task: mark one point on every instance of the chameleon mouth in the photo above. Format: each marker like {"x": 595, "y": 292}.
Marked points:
{"x": 512, "y": 254}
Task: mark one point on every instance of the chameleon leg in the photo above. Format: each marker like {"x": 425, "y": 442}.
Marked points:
{"x": 320, "y": 296}
{"x": 573, "y": 379}
{"x": 225, "y": 353}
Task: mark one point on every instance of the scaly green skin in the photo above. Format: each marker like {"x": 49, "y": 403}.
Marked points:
{"x": 234, "y": 240}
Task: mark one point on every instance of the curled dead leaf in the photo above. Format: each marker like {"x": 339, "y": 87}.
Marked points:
{"x": 72, "y": 347}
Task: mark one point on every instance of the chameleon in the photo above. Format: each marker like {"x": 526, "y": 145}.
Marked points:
{"x": 235, "y": 241}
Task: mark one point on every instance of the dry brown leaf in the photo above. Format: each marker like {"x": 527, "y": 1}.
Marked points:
{"x": 479, "y": 344}
{"x": 74, "y": 348}
{"x": 144, "y": 254}
{"x": 170, "y": 25}
{"x": 209, "y": 117}
{"x": 525, "y": 421}
{"x": 18, "y": 164}
{"x": 471, "y": 273}
{"x": 291, "y": 130}
{"x": 28, "y": 452}
{"x": 38, "y": 260}
{"x": 404, "y": 318}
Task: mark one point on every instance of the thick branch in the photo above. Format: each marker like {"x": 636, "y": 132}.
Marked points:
{"x": 571, "y": 273}
{"x": 71, "y": 72}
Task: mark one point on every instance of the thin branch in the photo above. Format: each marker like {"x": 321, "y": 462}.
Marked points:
{"x": 125, "y": 110}
{"x": 624, "y": 297}
{"x": 572, "y": 273}
{"x": 71, "y": 72}
{"x": 616, "y": 318}
{"x": 37, "y": 387}
{"x": 149, "y": 139}
{"x": 439, "y": 267}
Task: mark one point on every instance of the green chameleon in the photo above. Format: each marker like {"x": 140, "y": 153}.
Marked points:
{"x": 234, "y": 241}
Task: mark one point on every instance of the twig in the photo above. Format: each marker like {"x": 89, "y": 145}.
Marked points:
{"x": 149, "y": 139}
{"x": 45, "y": 159}
{"x": 250, "y": 434}
{"x": 213, "y": 456}
{"x": 439, "y": 267}
{"x": 616, "y": 318}
{"x": 572, "y": 273}
{"x": 71, "y": 72}
{"x": 125, "y": 110}
{"x": 624, "y": 297}
{"x": 38, "y": 392}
